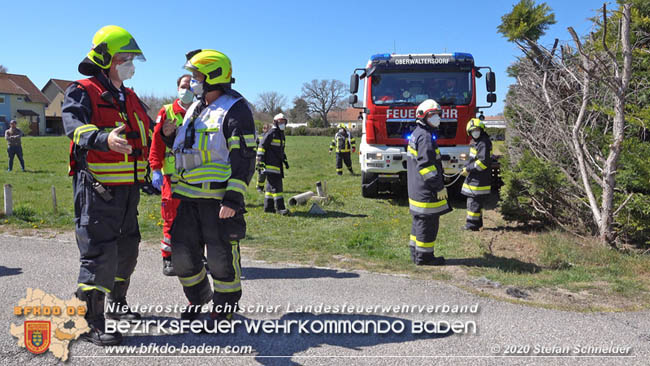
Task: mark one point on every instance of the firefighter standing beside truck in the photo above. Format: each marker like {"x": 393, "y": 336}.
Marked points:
{"x": 426, "y": 188}
{"x": 109, "y": 128}
{"x": 214, "y": 150}
{"x": 342, "y": 143}
{"x": 478, "y": 181}
{"x": 272, "y": 160}
{"x": 162, "y": 163}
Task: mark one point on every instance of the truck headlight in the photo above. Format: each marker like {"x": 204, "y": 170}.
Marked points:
{"x": 374, "y": 156}
{"x": 463, "y": 156}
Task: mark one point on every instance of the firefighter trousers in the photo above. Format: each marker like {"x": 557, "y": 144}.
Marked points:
{"x": 168, "y": 206}
{"x": 343, "y": 157}
{"x": 424, "y": 231}
{"x": 197, "y": 226}
{"x": 273, "y": 198}
{"x": 474, "y": 218}
{"x": 107, "y": 234}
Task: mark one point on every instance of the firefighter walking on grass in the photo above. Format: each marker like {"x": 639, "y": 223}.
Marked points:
{"x": 162, "y": 164}
{"x": 478, "y": 172}
{"x": 426, "y": 188}
{"x": 272, "y": 160}
{"x": 342, "y": 143}
{"x": 214, "y": 150}
{"x": 109, "y": 128}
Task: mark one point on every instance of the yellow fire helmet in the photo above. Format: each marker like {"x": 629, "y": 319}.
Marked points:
{"x": 474, "y": 123}
{"x": 213, "y": 64}
{"x": 108, "y": 41}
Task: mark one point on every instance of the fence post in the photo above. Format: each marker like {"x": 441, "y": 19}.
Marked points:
{"x": 54, "y": 199}
{"x": 9, "y": 206}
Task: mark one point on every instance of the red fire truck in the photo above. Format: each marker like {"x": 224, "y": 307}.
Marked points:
{"x": 394, "y": 86}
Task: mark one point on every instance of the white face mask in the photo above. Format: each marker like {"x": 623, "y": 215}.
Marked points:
{"x": 434, "y": 121}
{"x": 125, "y": 70}
{"x": 185, "y": 95}
{"x": 476, "y": 134}
{"x": 196, "y": 87}
{"x": 282, "y": 126}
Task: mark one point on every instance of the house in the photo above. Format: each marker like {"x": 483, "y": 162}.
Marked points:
{"x": 21, "y": 99}
{"x": 497, "y": 121}
{"x": 350, "y": 117}
{"x": 54, "y": 90}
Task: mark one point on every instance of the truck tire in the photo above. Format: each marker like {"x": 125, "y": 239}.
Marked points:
{"x": 369, "y": 185}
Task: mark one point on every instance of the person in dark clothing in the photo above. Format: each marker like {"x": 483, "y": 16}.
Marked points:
{"x": 478, "y": 181}
{"x": 14, "y": 146}
{"x": 272, "y": 159}
{"x": 342, "y": 143}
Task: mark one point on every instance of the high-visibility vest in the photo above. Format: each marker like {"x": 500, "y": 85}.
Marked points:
{"x": 203, "y": 169}
{"x": 169, "y": 161}
{"x": 109, "y": 167}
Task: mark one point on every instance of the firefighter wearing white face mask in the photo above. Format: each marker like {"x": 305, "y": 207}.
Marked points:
{"x": 478, "y": 183}
{"x": 426, "y": 186}
{"x": 272, "y": 160}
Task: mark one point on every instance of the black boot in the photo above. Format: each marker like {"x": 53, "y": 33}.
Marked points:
{"x": 94, "y": 300}
{"x": 168, "y": 268}
{"x": 269, "y": 205}
{"x": 428, "y": 259}
{"x": 118, "y": 307}
{"x": 351, "y": 171}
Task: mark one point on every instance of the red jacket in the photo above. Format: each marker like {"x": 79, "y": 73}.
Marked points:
{"x": 158, "y": 147}
{"x": 109, "y": 167}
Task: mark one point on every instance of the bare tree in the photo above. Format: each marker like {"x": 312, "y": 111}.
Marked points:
{"x": 271, "y": 102}
{"x": 3, "y": 69}
{"x": 323, "y": 95}
{"x": 561, "y": 107}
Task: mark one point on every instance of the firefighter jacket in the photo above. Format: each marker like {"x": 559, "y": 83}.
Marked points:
{"x": 342, "y": 142}
{"x": 214, "y": 150}
{"x": 479, "y": 166}
{"x": 90, "y": 111}
{"x": 161, "y": 157}
{"x": 425, "y": 173}
{"x": 271, "y": 151}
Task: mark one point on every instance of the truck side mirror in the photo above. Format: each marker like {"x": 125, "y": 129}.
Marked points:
{"x": 490, "y": 82}
{"x": 352, "y": 99}
{"x": 354, "y": 83}
{"x": 491, "y": 98}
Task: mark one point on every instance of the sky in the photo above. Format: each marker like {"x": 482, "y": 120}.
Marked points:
{"x": 274, "y": 45}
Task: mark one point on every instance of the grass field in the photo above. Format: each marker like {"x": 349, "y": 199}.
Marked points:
{"x": 553, "y": 268}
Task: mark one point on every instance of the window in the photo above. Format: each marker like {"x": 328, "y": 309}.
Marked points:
{"x": 20, "y": 99}
{"x": 3, "y": 118}
{"x": 2, "y": 99}
{"x": 411, "y": 88}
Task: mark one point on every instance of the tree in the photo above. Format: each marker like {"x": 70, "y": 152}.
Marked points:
{"x": 322, "y": 95}
{"x": 154, "y": 103}
{"x": 3, "y": 69}
{"x": 568, "y": 110}
{"x": 300, "y": 111}
{"x": 271, "y": 102}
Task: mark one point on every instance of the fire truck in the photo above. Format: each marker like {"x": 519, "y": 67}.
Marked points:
{"x": 395, "y": 84}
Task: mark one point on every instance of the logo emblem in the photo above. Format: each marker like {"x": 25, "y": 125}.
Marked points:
{"x": 37, "y": 336}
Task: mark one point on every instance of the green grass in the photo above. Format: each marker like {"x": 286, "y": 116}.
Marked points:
{"x": 356, "y": 233}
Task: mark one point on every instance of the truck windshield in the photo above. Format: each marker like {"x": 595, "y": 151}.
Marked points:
{"x": 411, "y": 88}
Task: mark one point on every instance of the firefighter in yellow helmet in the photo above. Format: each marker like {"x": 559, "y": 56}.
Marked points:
{"x": 426, "y": 184}
{"x": 214, "y": 149}
{"x": 478, "y": 172}
{"x": 110, "y": 132}
{"x": 342, "y": 143}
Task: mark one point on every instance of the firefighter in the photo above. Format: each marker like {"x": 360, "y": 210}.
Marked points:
{"x": 110, "y": 133}
{"x": 261, "y": 177}
{"x": 214, "y": 150}
{"x": 272, "y": 160}
{"x": 341, "y": 144}
{"x": 162, "y": 163}
{"x": 426, "y": 188}
{"x": 478, "y": 181}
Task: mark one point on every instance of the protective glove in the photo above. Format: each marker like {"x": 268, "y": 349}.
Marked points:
{"x": 286, "y": 164}
{"x": 157, "y": 180}
{"x": 442, "y": 195}
{"x": 464, "y": 172}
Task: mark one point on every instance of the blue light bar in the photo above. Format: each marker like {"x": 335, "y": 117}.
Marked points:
{"x": 462, "y": 56}
{"x": 380, "y": 56}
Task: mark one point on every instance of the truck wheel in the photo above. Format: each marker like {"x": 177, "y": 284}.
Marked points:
{"x": 369, "y": 185}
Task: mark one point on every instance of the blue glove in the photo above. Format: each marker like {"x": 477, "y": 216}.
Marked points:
{"x": 157, "y": 180}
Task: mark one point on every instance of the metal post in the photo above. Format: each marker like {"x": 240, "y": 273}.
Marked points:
{"x": 54, "y": 199}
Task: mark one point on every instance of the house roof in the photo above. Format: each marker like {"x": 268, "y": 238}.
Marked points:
{"x": 60, "y": 84}
{"x": 345, "y": 115}
{"x": 21, "y": 85}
